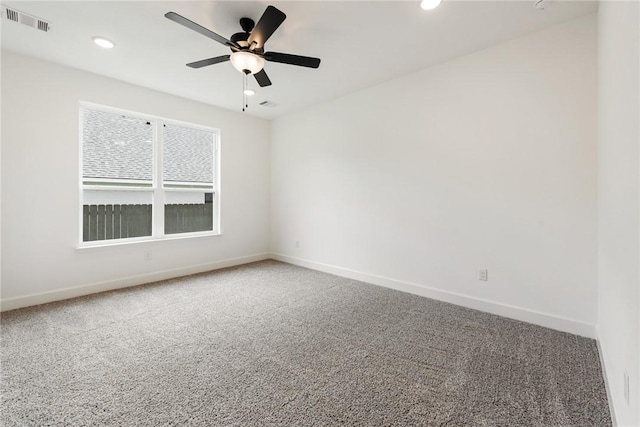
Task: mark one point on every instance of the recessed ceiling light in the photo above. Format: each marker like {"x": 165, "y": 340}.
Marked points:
{"x": 429, "y": 4}
{"x": 103, "y": 42}
{"x": 249, "y": 92}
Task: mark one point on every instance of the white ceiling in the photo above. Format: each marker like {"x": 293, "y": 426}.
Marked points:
{"x": 361, "y": 43}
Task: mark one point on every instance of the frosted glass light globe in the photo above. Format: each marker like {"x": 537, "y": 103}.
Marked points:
{"x": 246, "y": 61}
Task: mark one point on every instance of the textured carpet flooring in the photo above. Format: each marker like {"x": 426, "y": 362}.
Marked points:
{"x": 274, "y": 344}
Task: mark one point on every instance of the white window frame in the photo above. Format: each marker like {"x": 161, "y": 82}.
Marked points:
{"x": 157, "y": 187}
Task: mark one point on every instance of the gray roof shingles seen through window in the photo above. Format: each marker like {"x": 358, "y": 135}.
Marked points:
{"x": 188, "y": 154}
{"x": 116, "y": 147}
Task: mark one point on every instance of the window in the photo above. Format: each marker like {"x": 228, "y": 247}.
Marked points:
{"x": 145, "y": 177}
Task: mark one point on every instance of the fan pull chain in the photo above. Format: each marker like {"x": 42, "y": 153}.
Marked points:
{"x": 244, "y": 86}
{"x": 244, "y": 91}
{"x": 245, "y": 97}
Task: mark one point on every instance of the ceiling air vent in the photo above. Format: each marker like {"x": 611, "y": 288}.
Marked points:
{"x": 25, "y": 19}
{"x": 43, "y": 25}
{"x": 12, "y": 15}
{"x": 268, "y": 104}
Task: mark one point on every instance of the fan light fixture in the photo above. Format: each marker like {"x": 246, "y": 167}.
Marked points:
{"x": 247, "y": 48}
{"x": 247, "y": 62}
{"x": 429, "y": 4}
{"x": 103, "y": 42}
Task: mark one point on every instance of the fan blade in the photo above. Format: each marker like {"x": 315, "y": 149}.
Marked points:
{"x": 268, "y": 23}
{"x": 262, "y": 78}
{"x": 286, "y": 58}
{"x": 198, "y": 28}
{"x": 210, "y": 61}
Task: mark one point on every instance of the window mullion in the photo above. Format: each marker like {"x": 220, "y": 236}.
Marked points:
{"x": 158, "y": 192}
{"x": 216, "y": 182}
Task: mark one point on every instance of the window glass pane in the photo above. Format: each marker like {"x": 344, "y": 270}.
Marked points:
{"x": 188, "y": 154}
{"x": 108, "y": 197}
{"x": 110, "y": 215}
{"x": 188, "y": 211}
{"x": 116, "y": 147}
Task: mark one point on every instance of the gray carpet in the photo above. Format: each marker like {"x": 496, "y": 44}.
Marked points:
{"x": 274, "y": 344}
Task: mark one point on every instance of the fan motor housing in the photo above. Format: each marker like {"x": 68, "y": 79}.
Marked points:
{"x": 240, "y": 37}
{"x": 247, "y": 25}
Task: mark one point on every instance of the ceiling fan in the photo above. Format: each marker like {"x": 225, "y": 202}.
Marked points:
{"x": 247, "y": 47}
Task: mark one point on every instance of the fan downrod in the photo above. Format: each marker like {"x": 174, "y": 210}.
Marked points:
{"x": 247, "y": 25}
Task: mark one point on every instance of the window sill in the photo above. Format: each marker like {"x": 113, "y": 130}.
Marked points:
{"x": 141, "y": 240}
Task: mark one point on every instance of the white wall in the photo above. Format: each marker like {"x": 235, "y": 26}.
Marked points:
{"x": 618, "y": 202}
{"x": 486, "y": 161}
{"x": 40, "y": 213}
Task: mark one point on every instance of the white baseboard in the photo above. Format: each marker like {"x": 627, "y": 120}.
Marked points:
{"x": 607, "y": 384}
{"x": 519, "y": 313}
{"x": 66, "y": 293}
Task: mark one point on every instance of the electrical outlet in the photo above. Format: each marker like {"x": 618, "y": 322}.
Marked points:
{"x": 147, "y": 256}
{"x": 483, "y": 275}
{"x": 626, "y": 387}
